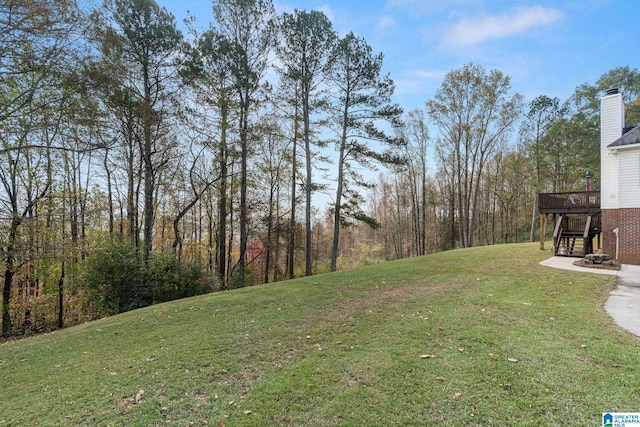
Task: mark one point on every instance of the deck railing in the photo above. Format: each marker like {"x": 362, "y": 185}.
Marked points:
{"x": 571, "y": 202}
{"x": 582, "y": 225}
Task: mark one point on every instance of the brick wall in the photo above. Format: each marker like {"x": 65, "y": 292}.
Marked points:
{"x": 628, "y": 223}
{"x": 609, "y": 222}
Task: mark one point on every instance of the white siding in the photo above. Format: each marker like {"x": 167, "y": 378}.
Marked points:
{"x": 629, "y": 190}
{"x": 611, "y": 124}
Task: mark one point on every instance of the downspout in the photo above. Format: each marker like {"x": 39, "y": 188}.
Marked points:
{"x": 615, "y": 231}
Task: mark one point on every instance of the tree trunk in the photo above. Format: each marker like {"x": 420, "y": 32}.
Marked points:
{"x": 9, "y": 272}
{"x": 231, "y": 232}
{"x": 307, "y": 149}
{"x": 147, "y": 157}
{"x": 61, "y": 298}
{"x": 533, "y": 218}
{"x": 6, "y": 295}
{"x": 336, "y": 217}
{"x": 269, "y": 245}
{"x": 212, "y": 234}
{"x": 109, "y": 193}
{"x": 339, "y": 184}
{"x": 292, "y": 221}
{"x": 221, "y": 246}
{"x": 423, "y": 233}
{"x": 244, "y": 212}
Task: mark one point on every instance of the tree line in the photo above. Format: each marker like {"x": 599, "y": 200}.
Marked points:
{"x": 142, "y": 164}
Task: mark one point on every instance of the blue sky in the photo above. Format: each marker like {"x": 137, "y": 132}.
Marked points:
{"x": 546, "y": 47}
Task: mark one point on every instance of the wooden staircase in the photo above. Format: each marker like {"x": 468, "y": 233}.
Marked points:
{"x": 573, "y": 234}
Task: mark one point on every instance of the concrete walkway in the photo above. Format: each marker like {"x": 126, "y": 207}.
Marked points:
{"x": 623, "y": 304}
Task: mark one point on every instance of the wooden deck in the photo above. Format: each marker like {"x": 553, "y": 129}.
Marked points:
{"x": 578, "y": 221}
{"x": 577, "y": 202}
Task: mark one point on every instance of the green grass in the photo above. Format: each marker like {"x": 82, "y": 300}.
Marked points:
{"x": 344, "y": 349}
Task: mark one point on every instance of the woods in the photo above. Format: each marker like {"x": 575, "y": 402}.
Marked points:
{"x": 141, "y": 163}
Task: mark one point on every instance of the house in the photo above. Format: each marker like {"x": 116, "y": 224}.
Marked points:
{"x": 620, "y": 181}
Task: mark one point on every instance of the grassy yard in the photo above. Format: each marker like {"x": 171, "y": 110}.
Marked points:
{"x": 483, "y": 336}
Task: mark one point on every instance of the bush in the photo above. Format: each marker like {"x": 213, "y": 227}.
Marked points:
{"x": 170, "y": 279}
{"x": 115, "y": 277}
{"x": 119, "y": 280}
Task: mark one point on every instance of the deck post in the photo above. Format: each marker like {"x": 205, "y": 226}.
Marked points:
{"x": 543, "y": 230}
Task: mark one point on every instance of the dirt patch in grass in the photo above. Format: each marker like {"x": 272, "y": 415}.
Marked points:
{"x": 376, "y": 297}
{"x": 243, "y": 379}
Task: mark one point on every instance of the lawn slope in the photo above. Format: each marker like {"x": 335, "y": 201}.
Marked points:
{"x": 482, "y": 336}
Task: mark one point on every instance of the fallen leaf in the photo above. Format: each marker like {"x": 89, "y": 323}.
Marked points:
{"x": 513, "y": 360}
{"x": 247, "y": 412}
{"x": 139, "y": 396}
{"x": 440, "y": 379}
{"x": 457, "y": 395}
{"x": 427, "y": 356}
{"x": 461, "y": 349}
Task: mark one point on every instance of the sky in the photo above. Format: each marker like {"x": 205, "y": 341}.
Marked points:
{"x": 546, "y": 47}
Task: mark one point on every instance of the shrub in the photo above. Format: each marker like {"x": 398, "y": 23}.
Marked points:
{"x": 170, "y": 279}
{"x": 118, "y": 279}
{"x": 115, "y": 277}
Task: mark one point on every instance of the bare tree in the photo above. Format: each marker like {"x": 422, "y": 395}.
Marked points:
{"x": 475, "y": 112}
{"x": 36, "y": 41}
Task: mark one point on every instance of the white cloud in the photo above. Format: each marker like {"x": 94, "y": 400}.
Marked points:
{"x": 328, "y": 12}
{"x": 427, "y": 6}
{"x": 471, "y": 31}
{"x": 385, "y": 22}
{"x": 427, "y": 74}
{"x": 285, "y": 7}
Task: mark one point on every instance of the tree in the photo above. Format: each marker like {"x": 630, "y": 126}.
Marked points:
{"x": 271, "y": 167}
{"x": 208, "y": 71}
{"x": 543, "y": 113}
{"x": 145, "y": 38}
{"x": 475, "y": 113}
{"x": 199, "y": 184}
{"x": 247, "y": 25}
{"x": 584, "y": 122}
{"x": 362, "y": 102}
{"x": 306, "y": 40}
{"x": 288, "y": 98}
{"x": 586, "y": 98}
{"x": 416, "y": 134}
{"x": 120, "y": 129}
{"x": 34, "y": 37}
{"x": 36, "y": 42}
